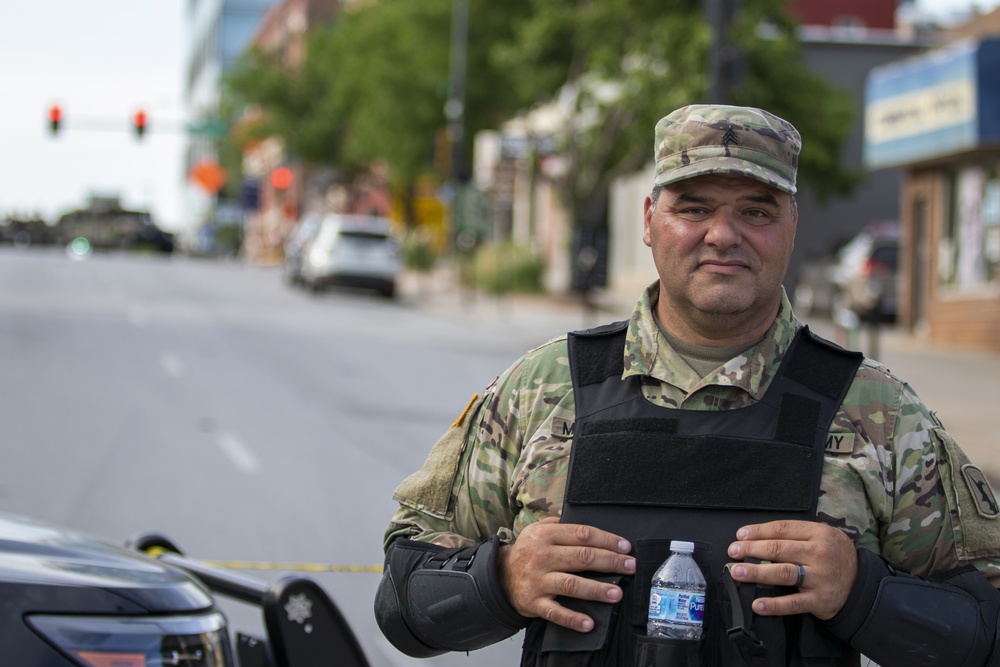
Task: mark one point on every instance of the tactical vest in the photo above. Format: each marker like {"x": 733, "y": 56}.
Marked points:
{"x": 654, "y": 474}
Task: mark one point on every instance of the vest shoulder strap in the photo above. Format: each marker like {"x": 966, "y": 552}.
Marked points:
{"x": 597, "y": 354}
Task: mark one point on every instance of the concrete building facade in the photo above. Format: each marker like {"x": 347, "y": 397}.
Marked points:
{"x": 219, "y": 32}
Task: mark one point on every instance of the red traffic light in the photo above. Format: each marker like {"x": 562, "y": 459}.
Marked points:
{"x": 139, "y": 121}
{"x": 55, "y": 117}
{"x": 281, "y": 178}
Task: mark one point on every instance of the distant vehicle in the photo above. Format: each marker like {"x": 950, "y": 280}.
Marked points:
{"x": 72, "y": 601}
{"x": 108, "y": 226}
{"x": 867, "y": 273}
{"x": 295, "y": 246}
{"x": 815, "y": 291}
{"x": 353, "y": 251}
{"x": 860, "y": 278}
{"x": 22, "y": 233}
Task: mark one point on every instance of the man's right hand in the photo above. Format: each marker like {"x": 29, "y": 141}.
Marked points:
{"x": 540, "y": 564}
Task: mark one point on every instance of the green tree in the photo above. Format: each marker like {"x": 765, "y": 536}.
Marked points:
{"x": 374, "y": 84}
{"x": 294, "y": 105}
{"x": 617, "y": 66}
{"x": 777, "y": 80}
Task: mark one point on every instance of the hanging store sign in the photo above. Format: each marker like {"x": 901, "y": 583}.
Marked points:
{"x": 942, "y": 103}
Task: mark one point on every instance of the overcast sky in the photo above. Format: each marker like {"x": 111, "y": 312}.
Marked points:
{"x": 100, "y": 60}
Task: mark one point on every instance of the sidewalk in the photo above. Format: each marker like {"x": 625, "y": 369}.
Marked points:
{"x": 962, "y": 386}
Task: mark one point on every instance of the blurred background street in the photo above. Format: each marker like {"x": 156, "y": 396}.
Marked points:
{"x": 256, "y": 255}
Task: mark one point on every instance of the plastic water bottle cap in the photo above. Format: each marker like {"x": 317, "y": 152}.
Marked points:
{"x": 682, "y": 546}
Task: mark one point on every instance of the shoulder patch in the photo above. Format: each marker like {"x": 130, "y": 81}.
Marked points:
{"x": 840, "y": 443}
{"x": 430, "y": 488}
{"x": 981, "y": 491}
{"x": 972, "y": 503}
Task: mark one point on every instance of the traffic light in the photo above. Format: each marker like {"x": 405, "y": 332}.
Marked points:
{"x": 139, "y": 121}
{"x": 281, "y": 178}
{"x": 55, "y": 117}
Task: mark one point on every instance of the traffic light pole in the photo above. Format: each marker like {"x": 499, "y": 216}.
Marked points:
{"x": 454, "y": 111}
{"x": 723, "y": 58}
{"x": 138, "y": 123}
{"x": 455, "y": 107}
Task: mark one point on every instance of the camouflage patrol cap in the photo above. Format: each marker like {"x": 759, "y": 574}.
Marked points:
{"x": 716, "y": 139}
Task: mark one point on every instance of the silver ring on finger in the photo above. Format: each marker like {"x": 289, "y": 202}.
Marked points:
{"x": 801, "y": 575}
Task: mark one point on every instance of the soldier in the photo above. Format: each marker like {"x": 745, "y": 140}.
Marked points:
{"x": 831, "y": 511}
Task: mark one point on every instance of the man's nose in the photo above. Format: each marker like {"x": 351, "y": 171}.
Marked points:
{"x": 723, "y": 229}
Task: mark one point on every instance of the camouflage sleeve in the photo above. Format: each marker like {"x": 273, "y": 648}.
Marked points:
{"x": 468, "y": 488}
{"x": 431, "y": 508}
{"x": 907, "y": 490}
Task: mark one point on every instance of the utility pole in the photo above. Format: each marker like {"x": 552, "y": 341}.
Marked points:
{"x": 454, "y": 110}
{"x": 724, "y": 66}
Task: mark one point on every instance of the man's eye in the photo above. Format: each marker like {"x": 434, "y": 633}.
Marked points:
{"x": 758, "y": 215}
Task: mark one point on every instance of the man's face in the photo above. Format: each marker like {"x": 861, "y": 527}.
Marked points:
{"x": 721, "y": 244}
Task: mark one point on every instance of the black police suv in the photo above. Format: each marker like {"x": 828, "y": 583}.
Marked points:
{"x": 67, "y": 600}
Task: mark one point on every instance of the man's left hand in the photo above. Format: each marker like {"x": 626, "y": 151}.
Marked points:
{"x": 826, "y": 554}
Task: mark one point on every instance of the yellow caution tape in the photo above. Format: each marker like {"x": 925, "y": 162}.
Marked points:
{"x": 156, "y": 552}
{"x": 297, "y": 567}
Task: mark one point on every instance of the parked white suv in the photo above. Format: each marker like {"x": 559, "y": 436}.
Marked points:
{"x": 353, "y": 251}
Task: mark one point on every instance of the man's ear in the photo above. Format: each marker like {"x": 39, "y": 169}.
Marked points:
{"x": 647, "y": 214}
{"x": 795, "y": 218}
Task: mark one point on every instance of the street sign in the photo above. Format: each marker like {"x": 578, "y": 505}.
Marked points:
{"x": 208, "y": 128}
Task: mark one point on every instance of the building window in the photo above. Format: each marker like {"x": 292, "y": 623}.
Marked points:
{"x": 969, "y": 252}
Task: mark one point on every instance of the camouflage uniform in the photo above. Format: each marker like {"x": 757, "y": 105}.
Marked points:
{"x": 893, "y": 479}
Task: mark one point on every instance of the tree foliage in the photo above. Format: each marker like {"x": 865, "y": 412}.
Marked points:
{"x": 614, "y": 67}
{"x": 374, "y": 84}
{"x": 775, "y": 79}
{"x": 627, "y": 63}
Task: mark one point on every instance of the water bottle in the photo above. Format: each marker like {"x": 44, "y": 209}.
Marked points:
{"x": 677, "y": 596}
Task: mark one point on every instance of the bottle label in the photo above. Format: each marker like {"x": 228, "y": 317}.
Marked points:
{"x": 667, "y": 604}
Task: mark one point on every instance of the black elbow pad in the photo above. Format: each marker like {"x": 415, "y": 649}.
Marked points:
{"x": 432, "y": 600}
{"x": 900, "y": 620}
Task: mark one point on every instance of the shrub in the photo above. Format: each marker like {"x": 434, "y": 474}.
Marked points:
{"x": 417, "y": 252}
{"x": 506, "y": 267}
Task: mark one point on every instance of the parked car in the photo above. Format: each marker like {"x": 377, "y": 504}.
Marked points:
{"x": 353, "y": 251}
{"x": 815, "y": 291}
{"x": 296, "y": 245}
{"x": 73, "y": 601}
{"x": 867, "y": 273}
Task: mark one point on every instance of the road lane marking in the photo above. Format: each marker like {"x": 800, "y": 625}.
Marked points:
{"x": 238, "y": 453}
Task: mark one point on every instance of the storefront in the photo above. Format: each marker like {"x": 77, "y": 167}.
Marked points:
{"x": 938, "y": 117}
